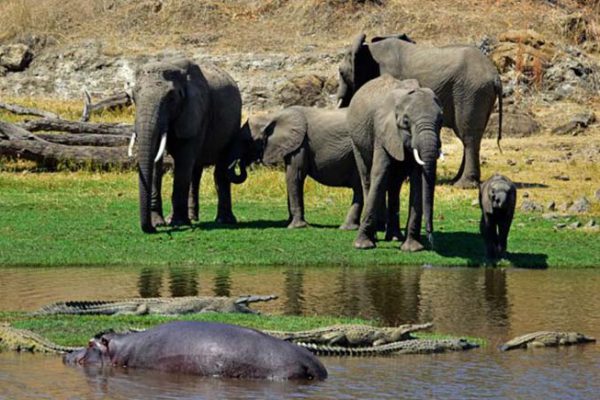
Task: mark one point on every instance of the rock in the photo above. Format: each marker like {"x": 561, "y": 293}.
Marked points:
{"x": 597, "y": 195}
{"x": 511, "y": 162}
{"x": 575, "y": 225}
{"x": 3, "y": 71}
{"x": 525, "y": 195}
{"x": 591, "y": 223}
{"x": 550, "y": 216}
{"x": 551, "y": 206}
{"x": 475, "y": 202}
{"x": 563, "y": 207}
{"x": 560, "y": 226}
{"x": 306, "y": 90}
{"x": 577, "y": 123}
{"x": 15, "y": 57}
{"x": 531, "y": 206}
{"x": 513, "y": 125}
{"x": 523, "y": 50}
{"x": 561, "y": 177}
{"x": 581, "y": 205}
{"x": 529, "y": 161}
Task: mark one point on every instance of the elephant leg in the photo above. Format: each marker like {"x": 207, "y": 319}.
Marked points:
{"x": 184, "y": 156}
{"x": 367, "y": 231}
{"x": 363, "y": 171}
{"x": 193, "y": 200}
{"x": 156, "y": 207}
{"x": 490, "y": 238}
{"x": 503, "y": 230}
{"x": 415, "y": 213}
{"x": 295, "y": 174}
{"x": 471, "y": 172}
{"x": 392, "y": 231}
{"x": 223, "y": 186}
{"x": 352, "y": 221}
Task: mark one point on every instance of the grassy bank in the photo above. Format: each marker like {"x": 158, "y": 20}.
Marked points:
{"x": 83, "y": 218}
{"x": 76, "y": 330}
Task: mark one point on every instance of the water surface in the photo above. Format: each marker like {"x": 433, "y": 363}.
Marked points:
{"x": 495, "y": 304}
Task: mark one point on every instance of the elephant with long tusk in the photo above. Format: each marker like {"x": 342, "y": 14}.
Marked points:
{"x": 395, "y": 131}
{"x": 193, "y": 113}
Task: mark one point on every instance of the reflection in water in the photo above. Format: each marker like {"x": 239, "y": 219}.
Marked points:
{"x": 150, "y": 282}
{"x": 294, "y": 299}
{"x": 183, "y": 281}
{"x": 222, "y": 282}
{"x": 496, "y": 295}
{"x": 346, "y": 293}
{"x": 395, "y": 294}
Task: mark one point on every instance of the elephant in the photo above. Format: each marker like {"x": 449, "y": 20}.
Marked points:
{"x": 394, "y": 128}
{"x": 201, "y": 348}
{"x": 313, "y": 142}
{"x": 466, "y": 82}
{"x": 497, "y": 200}
{"x": 194, "y": 113}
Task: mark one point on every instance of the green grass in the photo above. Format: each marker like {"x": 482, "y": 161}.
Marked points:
{"x": 83, "y": 218}
{"x": 76, "y": 330}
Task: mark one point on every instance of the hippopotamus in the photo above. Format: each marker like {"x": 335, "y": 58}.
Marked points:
{"x": 202, "y": 348}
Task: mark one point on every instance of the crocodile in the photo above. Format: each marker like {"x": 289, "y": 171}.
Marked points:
{"x": 15, "y": 339}
{"x": 411, "y": 346}
{"x": 155, "y": 305}
{"x": 351, "y": 336}
{"x": 546, "y": 339}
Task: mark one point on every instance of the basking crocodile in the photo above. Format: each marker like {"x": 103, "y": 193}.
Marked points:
{"x": 14, "y": 339}
{"x": 352, "y": 335}
{"x": 546, "y": 339}
{"x": 156, "y": 305}
{"x": 411, "y": 346}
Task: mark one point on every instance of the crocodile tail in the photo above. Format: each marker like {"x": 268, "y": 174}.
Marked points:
{"x": 70, "y": 307}
{"x": 254, "y": 299}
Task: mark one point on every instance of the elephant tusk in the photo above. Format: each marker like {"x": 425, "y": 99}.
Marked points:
{"x": 234, "y": 164}
{"x": 131, "y": 144}
{"x": 161, "y": 147}
{"x": 417, "y": 158}
{"x": 339, "y": 103}
{"x": 441, "y": 157}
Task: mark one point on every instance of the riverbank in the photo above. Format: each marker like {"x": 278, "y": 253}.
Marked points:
{"x": 87, "y": 218}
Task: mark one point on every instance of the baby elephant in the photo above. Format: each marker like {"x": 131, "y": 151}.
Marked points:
{"x": 310, "y": 142}
{"x": 497, "y": 199}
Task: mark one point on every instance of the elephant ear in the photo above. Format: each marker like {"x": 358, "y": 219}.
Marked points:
{"x": 195, "y": 103}
{"x": 283, "y": 135}
{"x": 390, "y": 135}
{"x": 364, "y": 67}
{"x": 387, "y": 53}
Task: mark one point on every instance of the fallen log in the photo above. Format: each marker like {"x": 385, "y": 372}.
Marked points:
{"x": 118, "y": 100}
{"x": 81, "y": 139}
{"x": 61, "y": 125}
{"x": 18, "y": 142}
{"x": 20, "y": 110}
{"x": 51, "y": 155}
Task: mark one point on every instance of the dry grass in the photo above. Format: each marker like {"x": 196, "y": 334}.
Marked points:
{"x": 277, "y": 25}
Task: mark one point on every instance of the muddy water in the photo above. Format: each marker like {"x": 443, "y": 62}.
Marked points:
{"x": 492, "y": 303}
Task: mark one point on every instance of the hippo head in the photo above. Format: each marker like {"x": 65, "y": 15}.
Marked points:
{"x": 96, "y": 353}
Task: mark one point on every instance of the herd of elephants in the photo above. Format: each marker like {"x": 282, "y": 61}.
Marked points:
{"x": 394, "y": 97}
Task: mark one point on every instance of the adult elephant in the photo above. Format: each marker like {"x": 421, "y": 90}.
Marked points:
{"x": 395, "y": 127}
{"x": 194, "y": 113}
{"x": 310, "y": 142}
{"x": 465, "y": 81}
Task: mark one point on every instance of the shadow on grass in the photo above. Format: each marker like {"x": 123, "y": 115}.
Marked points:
{"x": 257, "y": 224}
{"x": 469, "y": 246}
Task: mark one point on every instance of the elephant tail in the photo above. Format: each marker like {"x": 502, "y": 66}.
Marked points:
{"x": 498, "y": 89}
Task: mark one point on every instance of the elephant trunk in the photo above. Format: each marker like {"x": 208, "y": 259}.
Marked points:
{"x": 149, "y": 126}
{"x": 232, "y": 174}
{"x": 428, "y": 152}
{"x": 344, "y": 93}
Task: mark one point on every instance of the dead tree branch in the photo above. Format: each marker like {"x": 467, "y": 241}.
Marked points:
{"x": 20, "y": 110}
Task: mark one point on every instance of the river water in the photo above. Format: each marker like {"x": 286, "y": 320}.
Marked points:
{"x": 495, "y": 304}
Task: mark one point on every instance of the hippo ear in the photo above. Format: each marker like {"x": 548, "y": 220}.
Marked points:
{"x": 284, "y": 134}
